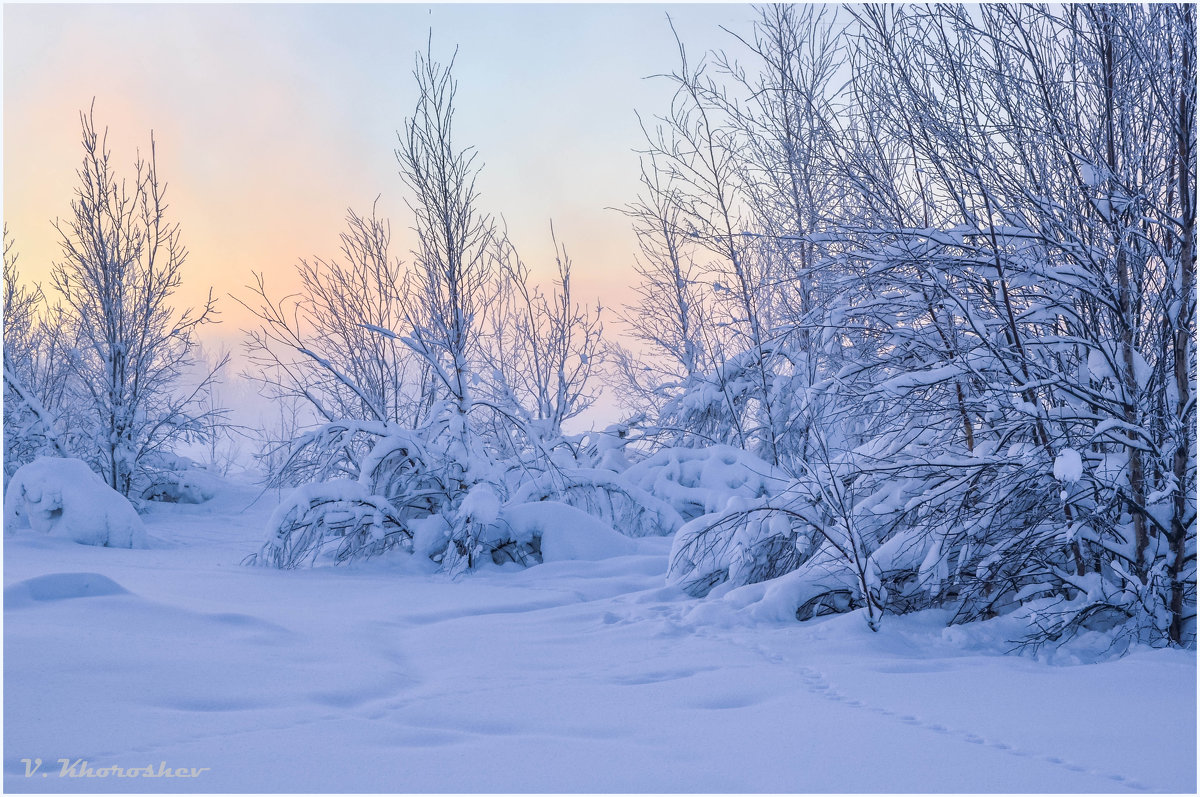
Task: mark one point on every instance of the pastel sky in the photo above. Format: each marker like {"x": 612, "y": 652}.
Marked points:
{"x": 271, "y": 120}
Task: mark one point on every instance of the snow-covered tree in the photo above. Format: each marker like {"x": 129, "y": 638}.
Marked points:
{"x": 973, "y": 272}
{"x": 35, "y": 378}
{"x": 440, "y": 388}
{"x": 1023, "y": 309}
{"x": 122, "y": 261}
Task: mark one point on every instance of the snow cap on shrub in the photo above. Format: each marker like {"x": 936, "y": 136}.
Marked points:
{"x": 64, "y": 498}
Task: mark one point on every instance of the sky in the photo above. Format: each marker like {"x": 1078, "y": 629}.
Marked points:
{"x": 272, "y": 120}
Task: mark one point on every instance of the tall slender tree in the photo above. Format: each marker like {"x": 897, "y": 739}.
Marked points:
{"x": 122, "y": 262}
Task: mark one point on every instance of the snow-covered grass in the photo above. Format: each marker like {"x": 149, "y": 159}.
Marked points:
{"x": 567, "y": 676}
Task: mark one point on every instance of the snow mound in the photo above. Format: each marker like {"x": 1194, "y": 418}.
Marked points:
{"x": 566, "y": 533}
{"x": 64, "y": 498}
{"x": 481, "y": 504}
{"x": 59, "y": 587}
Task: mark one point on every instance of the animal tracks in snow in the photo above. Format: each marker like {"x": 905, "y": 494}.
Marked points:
{"x": 818, "y": 684}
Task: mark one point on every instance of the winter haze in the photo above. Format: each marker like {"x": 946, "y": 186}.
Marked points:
{"x": 599, "y": 398}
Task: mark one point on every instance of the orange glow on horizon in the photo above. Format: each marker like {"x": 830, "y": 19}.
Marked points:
{"x": 271, "y": 120}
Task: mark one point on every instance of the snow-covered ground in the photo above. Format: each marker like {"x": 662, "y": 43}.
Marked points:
{"x": 569, "y": 676}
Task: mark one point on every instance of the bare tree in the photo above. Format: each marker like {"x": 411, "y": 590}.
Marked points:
{"x": 332, "y": 344}
{"x": 540, "y": 350}
{"x": 697, "y": 148}
{"x": 454, "y": 263}
{"x": 122, "y": 261}
{"x": 35, "y": 380}
{"x": 669, "y": 319}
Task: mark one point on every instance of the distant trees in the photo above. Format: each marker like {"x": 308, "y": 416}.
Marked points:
{"x": 108, "y": 358}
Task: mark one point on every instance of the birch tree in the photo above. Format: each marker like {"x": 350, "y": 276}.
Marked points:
{"x": 122, "y": 262}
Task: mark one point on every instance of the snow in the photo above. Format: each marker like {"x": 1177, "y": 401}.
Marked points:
{"x": 481, "y": 504}
{"x": 567, "y": 676}
{"x": 1098, "y": 365}
{"x": 1068, "y": 466}
{"x": 636, "y": 512}
{"x": 700, "y": 481}
{"x": 62, "y": 497}
{"x": 566, "y": 533}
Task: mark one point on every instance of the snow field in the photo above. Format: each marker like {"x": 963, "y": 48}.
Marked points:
{"x": 567, "y": 676}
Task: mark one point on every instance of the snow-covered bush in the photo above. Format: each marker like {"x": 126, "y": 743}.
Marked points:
{"x": 606, "y": 495}
{"x": 173, "y": 479}
{"x": 334, "y": 522}
{"x": 414, "y": 479}
{"x": 174, "y": 487}
{"x": 747, "y": 542}
{"x": 528, "y": 534}
{"x": 745, "y": 522}
{"x": 459, "y": 508}
{"x": 63, "y": 498}
{"x": 699, "y": 481}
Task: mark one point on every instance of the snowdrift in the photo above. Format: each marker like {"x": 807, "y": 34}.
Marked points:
{"x": 64, "y": 498}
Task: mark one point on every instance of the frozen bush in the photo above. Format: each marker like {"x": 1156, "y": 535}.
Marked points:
{"x": 698, "y": 481}
{"x": 400, "y": 469}
{"x": 748, "y": 542}
{"x": 530, "y": 533}
{"x": 174, "y": 479}
{"x": 605, "y": 495}
{"x": 331, "y": 523}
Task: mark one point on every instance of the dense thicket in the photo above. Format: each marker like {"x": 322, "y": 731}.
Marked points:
{"x": 914, "y": 327}
{"x": 938, "y": 265}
